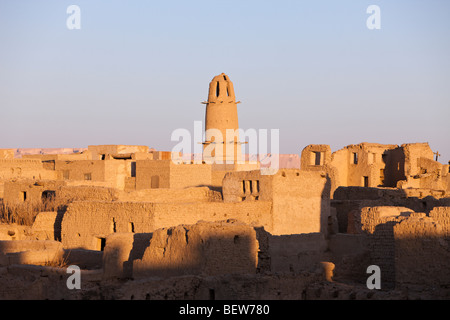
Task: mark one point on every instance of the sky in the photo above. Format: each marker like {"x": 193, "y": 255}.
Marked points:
{"x": 137, "y": 70}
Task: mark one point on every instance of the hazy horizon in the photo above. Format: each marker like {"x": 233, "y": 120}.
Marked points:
{"x": 139, "y": 70}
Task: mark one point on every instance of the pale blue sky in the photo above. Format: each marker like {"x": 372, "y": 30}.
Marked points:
{"x": 137, "y": 70}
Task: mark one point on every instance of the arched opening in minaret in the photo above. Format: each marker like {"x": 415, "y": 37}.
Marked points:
{"x": 228, "y": 92}
{"x": 217, "y": 89}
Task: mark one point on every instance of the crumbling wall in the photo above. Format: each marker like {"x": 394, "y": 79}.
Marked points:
{"x": 116, "y": 171}
{"x": 428, "y": 174}
{"x": 14, "y": 231}
{"x": 378, "y": 223}
{"x": 108, "y": 173}
{"x": 20, "y": 191}
{"x": 23, "y": 169}
{"x": 367, "y": 163}
{"x": 247, "y": 186}
{"x": 101, "y": 152}
{"x": 152, "y": 174}
{"x": 442, "y": 216}
{"x": 178, "y": 250}
{"x": 87, "y": 183}
{"x": 394, "y": 168}
{"x": 171, "y": 195}
{"x": 22, "y": 282}
{"x": 413, "y": 153}
{"x": 351, "y": 256}
{"x": 86, "y": 223}
{"x": 315, "y": 157}
{"x": 210, "y": 248}
{"x": 189, "y": 175}
{"x": 378, "y": 165}
{"x": 19, "y": 168}
{"x": 118, "y": 248}
{"x": 349, "y": 201}
{"x": 409, "y": 247}
{"x": 300, "y": 199}
{"x": 46, "y": 226}
{"x": 257, "y": 213}
{"x": 29, "y": 252}
{"x": 339, "y": 161}
{"x": 87, "y": 170}
{"x": 130, "y": 184}
{"x": 301, "y": 202}
{"x": 296, "y": 253}
{"x": 422, "y": 255}
{"x": 372, "y": 217}
{"x": 181, "y": 251}
{"x": 86, "y": 193}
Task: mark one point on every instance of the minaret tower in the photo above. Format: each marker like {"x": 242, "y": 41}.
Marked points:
{"x": 221, "y": 114}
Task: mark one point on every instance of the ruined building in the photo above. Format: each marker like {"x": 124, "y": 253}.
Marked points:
{"x": 410, "y": 167}
{"x": 143, "y": 225}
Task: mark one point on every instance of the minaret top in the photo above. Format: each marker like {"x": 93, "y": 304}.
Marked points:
{"x": 221, "y": 90}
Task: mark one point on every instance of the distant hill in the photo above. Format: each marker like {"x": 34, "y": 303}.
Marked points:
{"x": 24, "y": 151}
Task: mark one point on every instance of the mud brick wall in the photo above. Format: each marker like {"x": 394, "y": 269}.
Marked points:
{"x": 86, "y": 193}
{"x": 172, "y": 195}
{"x": 171, "y": 175}
{"x": 19, "y": 168}
{"x": 422, "y": 255}
{"x": 378, "y": 223}
{"x": 410, "y": 248}
{"x": 300, "y": 199}
{"x": 442, "y": 216}
{"x": 210, "y": 248}
{"x": 86, "y": 223}
{"x": 296, "y": 253}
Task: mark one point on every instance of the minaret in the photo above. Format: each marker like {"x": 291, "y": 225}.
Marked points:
{"x": 221, "y": 114}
